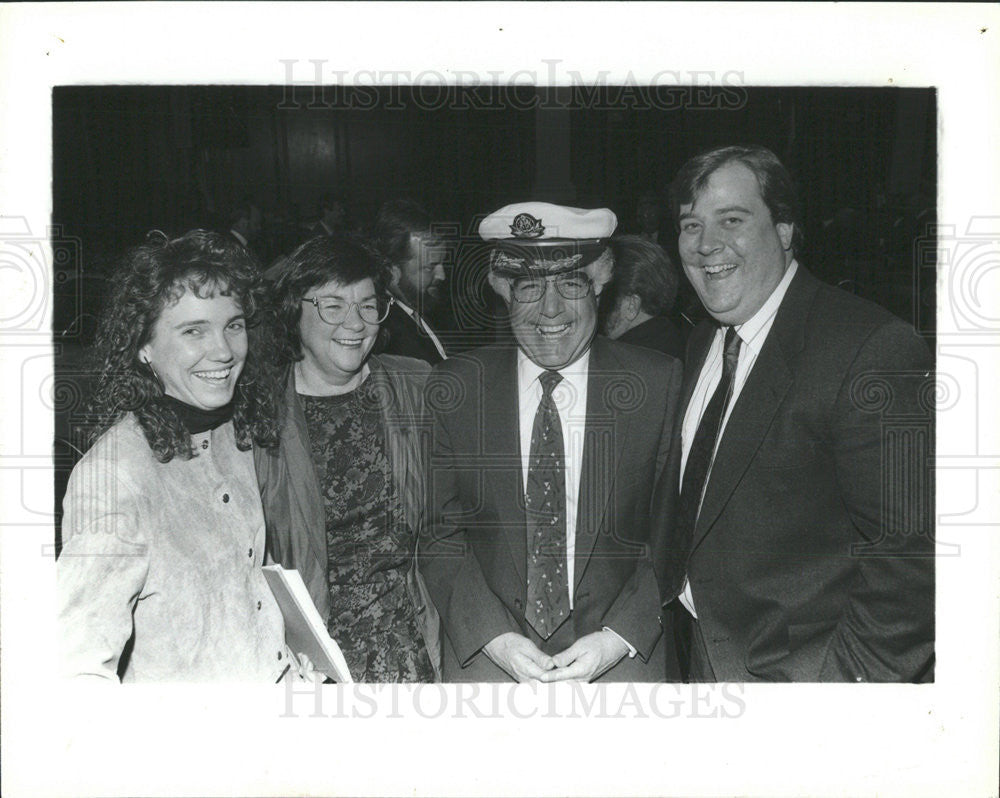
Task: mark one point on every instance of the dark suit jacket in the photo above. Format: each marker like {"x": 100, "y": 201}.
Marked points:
{"x": 474, "y": 557}
{"x": 812, "y": 557}
{"x": 658, "y": 333}
{"x": 407, "y": 338}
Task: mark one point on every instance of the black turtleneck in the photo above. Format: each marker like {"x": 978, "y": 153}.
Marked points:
{"x": 196, "y": 420}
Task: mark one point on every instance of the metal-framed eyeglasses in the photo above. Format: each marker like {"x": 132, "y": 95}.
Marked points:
{"x": 574, "y": 285}
{"x": 334, "y": 310}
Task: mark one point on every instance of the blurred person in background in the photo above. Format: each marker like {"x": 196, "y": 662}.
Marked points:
{"x": 642, "y": 291}
{"x": 416, "y": 258}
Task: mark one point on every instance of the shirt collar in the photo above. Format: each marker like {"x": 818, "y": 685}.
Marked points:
{"x": 754, "y": 330}
{"x": 403, "y": 306}
{"x": 575, "y": 373}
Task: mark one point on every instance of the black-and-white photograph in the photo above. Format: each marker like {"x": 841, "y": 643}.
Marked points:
{"x": 503, "y": 397}
{"x": 523, "y": 236}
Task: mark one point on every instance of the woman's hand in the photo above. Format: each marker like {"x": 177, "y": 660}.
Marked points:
{"x": 300, "y": 669}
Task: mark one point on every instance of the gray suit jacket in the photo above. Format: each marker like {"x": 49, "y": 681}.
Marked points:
{"x": 474, "y": 555}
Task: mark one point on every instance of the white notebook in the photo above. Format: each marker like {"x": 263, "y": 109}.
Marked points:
{"x": 305, "y": 632}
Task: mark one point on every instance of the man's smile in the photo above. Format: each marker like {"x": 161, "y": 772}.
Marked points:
{"x": 552, "y": 330}
{"x": 717, "y": 271}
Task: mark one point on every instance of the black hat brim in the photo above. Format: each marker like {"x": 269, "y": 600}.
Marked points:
{"x": 517, "y": 256}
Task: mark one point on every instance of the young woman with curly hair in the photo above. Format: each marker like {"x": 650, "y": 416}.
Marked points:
{"x": 159, "y": 577}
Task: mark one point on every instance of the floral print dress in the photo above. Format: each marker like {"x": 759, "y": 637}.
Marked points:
{"x": 369, "y": 545}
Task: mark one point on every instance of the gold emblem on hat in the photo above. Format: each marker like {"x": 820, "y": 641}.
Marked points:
{"x": 527, "y": 226}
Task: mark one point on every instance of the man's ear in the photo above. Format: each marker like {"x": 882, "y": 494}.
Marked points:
{"x": 630, "y": 306}
{"x": 396, "y": 275}
{"x": 501, "y": 285}
{"x": 785, "y": 233}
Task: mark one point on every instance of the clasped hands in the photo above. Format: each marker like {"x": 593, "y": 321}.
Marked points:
{"x": 584, "y": 661}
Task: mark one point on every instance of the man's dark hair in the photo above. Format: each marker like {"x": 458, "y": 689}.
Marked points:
{"x": 643, "y": 268}
{"x": 241, "y": 210}
{"x": 777, "y": 188}
{"x": 397, "y": 219}
{"x": 649, "y": 198}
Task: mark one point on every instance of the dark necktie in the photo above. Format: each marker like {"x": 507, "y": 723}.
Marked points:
{"x": 702, "y": 451}
{"x": 545, "y": 511}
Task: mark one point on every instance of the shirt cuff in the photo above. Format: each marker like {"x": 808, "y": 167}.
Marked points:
{"x": 631, "y": 649}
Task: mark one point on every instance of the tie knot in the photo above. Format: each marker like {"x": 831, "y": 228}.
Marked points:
{"x": 731, "y": 348}
{"x": 549, "y": 379}
{"x": 732, "y": 342}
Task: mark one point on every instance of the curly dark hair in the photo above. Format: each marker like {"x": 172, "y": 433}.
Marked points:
{"x": 346, "y": 259}
{"x": 151, "y": 275}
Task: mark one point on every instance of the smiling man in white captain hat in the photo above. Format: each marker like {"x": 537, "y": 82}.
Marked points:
{"x": 551, "y": 472}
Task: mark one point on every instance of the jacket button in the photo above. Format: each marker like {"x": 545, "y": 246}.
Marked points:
{"x": 225, "y": 498}
{"x": 250, "y": 553}
{"x": 518, "y": 604}
{"x": 279, "y": 655}
{"x": 258, "y": 605}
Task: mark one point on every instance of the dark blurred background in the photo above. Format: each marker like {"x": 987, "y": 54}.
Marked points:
{"x": 127, "y": 159}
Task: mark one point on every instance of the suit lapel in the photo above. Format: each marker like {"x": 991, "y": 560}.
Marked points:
{"x": 501, "y": 443}
{"x": 758, "y": 402}
{"x": 304, "y": 486}
{"x": 604, "y": 441}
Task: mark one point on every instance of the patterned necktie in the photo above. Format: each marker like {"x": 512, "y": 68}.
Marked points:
{"x": 702, "y": 451}
{"x": 545, "y": 511}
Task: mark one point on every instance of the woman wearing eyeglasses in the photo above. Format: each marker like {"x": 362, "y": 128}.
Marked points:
{"x": 343, "y": 493}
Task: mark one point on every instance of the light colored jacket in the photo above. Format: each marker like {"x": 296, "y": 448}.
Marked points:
{"x": 293, "y": 502}
{"x": 167, "y": 556}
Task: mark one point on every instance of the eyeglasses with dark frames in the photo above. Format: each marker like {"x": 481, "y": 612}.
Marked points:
{"x": 575, "y": 285}
{"x": 334, "y": 310}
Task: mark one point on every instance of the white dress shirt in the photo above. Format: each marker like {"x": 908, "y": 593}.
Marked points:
{"x": 752, "y": 334}
{"x": 570, "y": 397}
{"x": 422, "y": 324}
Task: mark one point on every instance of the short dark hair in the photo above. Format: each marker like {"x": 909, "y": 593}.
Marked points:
{"x": 644, "y": 269}
{"x": 396, "y": 220}
{"x": 347, "y": 259}
{"x": 648, "y": 198}
{"x": 777, "y": 188}
{"x": 149, "y": 277}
